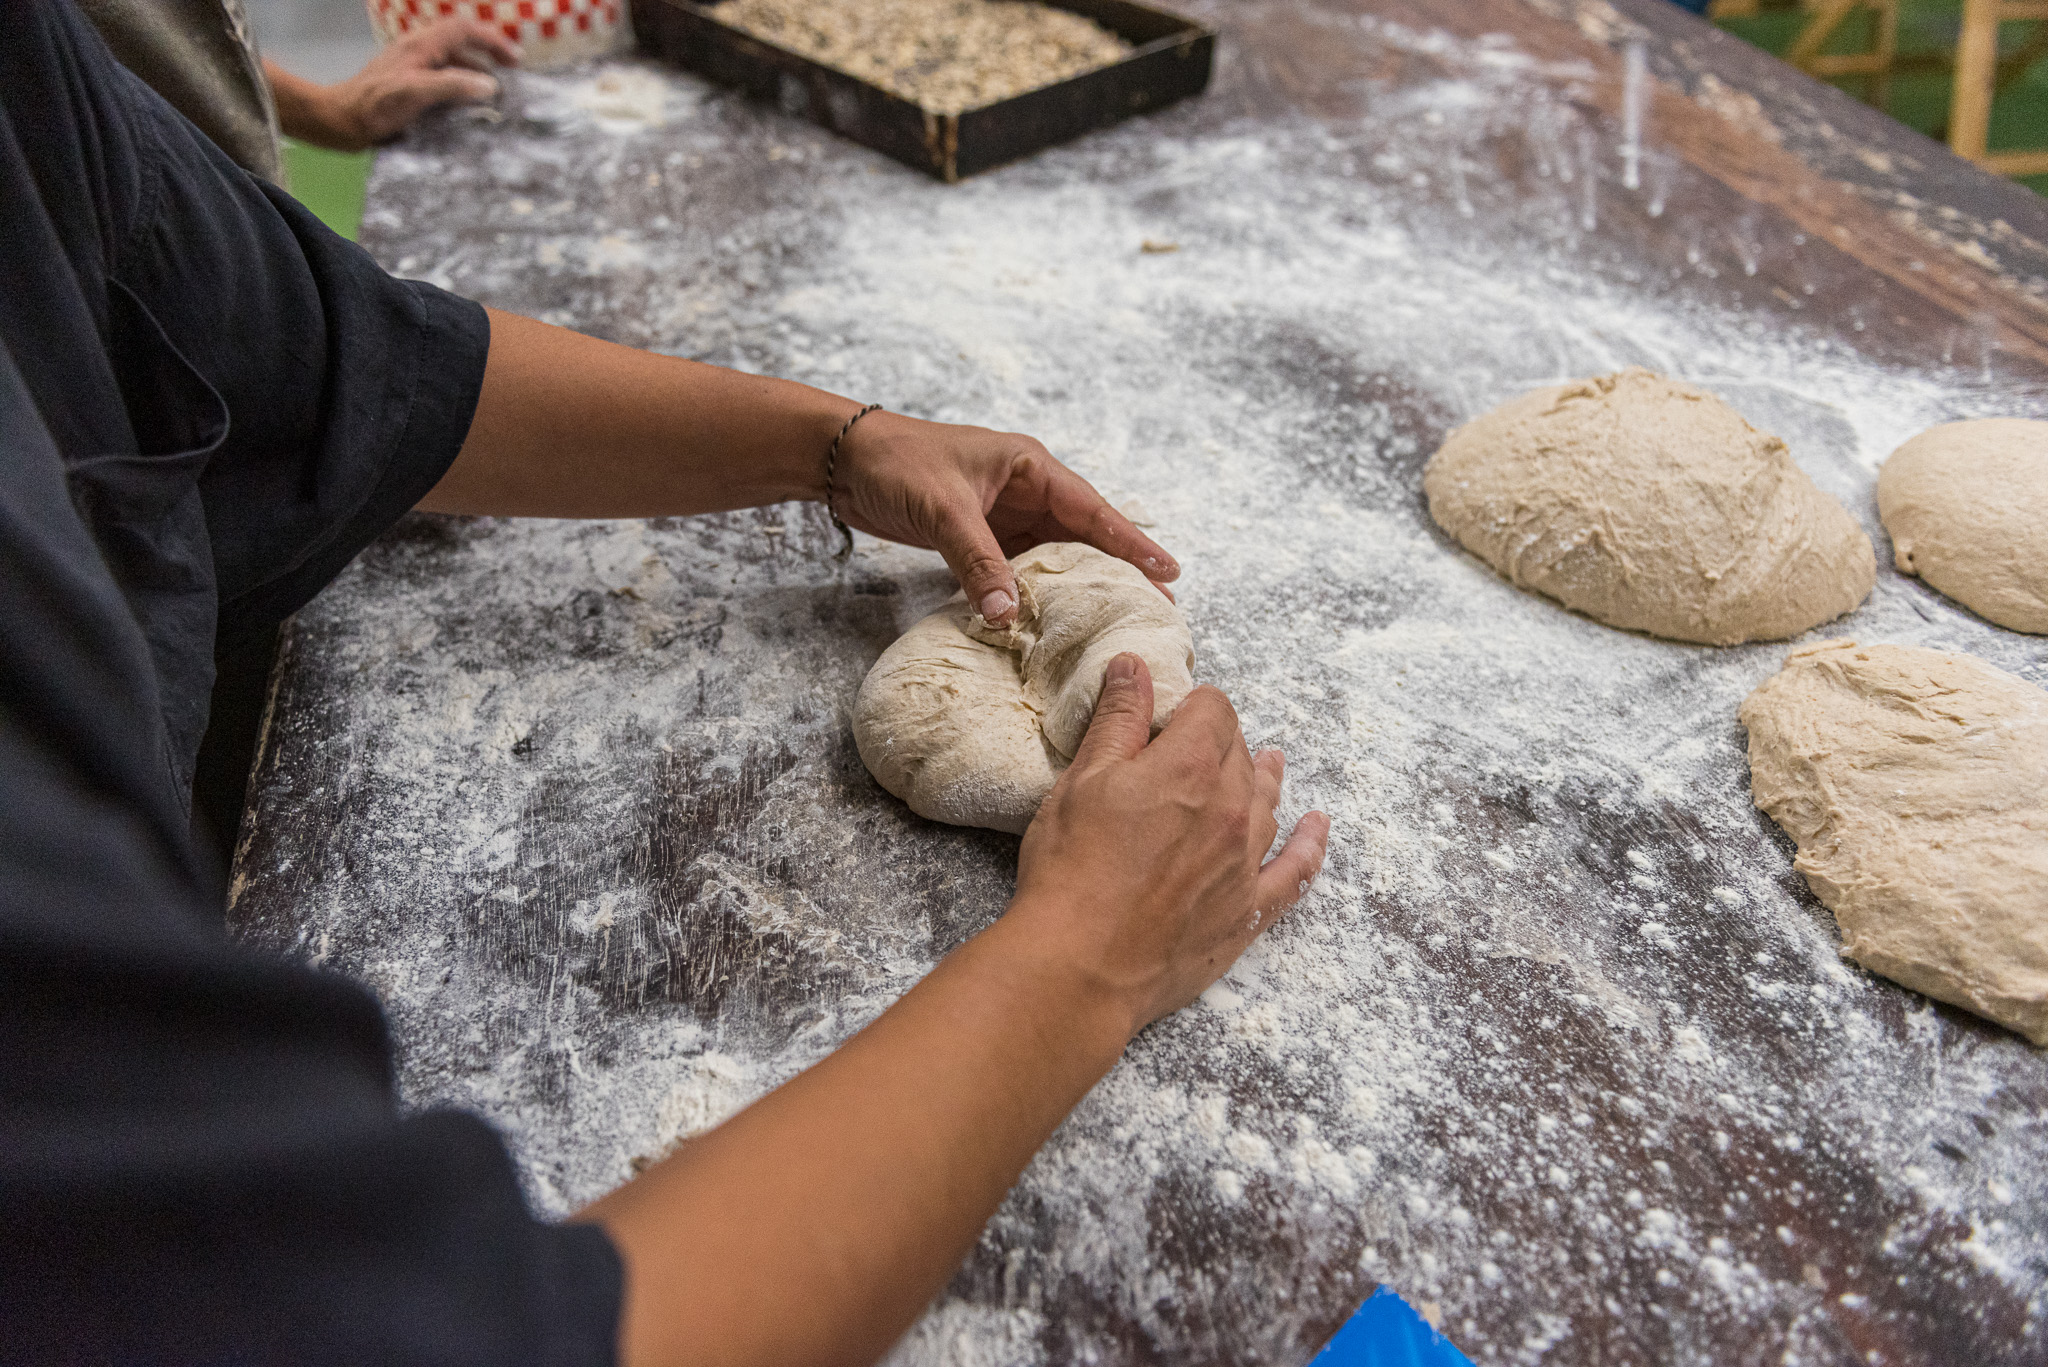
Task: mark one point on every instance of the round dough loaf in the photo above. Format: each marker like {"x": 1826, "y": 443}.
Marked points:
{"x": 972, "y": 725}
{"x": 1649, "y": 504}
{"x": 1916, "y": 784}
{"x": 1967, "y": 506}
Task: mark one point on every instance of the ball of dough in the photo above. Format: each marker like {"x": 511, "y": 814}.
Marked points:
{"x": 1649, "y": 504}
{"x": 1916, "y": 784}
{"x": 1967, "y": 506}
{"x": 972, "y": 725}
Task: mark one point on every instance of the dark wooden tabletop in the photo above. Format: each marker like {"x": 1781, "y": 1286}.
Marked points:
{"x": 1561, "y": 1047}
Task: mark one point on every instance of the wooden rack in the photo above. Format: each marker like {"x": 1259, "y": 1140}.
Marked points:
{"x": 1977, "y": 81}
{"x": 1979, "y": 73}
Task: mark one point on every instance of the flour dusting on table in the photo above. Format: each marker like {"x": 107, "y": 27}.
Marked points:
{"x": 1558, "y": 1046}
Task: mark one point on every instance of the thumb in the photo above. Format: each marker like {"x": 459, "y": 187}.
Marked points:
{"x": 979, "y": 564}
{"x": 1122, "y": 724}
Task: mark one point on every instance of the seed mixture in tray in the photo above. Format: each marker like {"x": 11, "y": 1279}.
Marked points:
{"x": 947, "y": 56}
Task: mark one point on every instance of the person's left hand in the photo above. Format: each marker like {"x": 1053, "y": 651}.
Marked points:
{"x": 978, "y": 497}
{"x": 443, "y": 64}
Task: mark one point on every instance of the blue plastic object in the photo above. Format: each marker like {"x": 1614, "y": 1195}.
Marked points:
{"x": 1386, "y": 1332}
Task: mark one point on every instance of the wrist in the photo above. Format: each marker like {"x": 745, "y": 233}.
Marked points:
{"x": 306, "y": 110}
{"x": 1101, "y": 1012}
{"x": 814, "y": 418}
{"x": 334, "y": 112}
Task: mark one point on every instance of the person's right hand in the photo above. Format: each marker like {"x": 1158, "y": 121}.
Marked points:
{"x": 1146, "y": 867}
{"x": 816, "y": 1224}
{"x": 445, "y": 63}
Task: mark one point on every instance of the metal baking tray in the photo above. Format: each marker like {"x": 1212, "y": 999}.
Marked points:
{"x": 1172, "y": 60}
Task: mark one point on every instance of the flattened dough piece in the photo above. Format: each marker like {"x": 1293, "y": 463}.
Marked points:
{"x": 1916, "y": 784}
{"x": 971, "y": 725}
{"x": 1967, "y": 506}
{"x": 1649, "y": 504}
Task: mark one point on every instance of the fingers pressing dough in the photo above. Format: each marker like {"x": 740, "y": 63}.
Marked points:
{"x": 1649, "y": 504}
{"x": 1966, "y": 504}
{"x": 1916, "y": 785}
{"x": 972, "y": 724}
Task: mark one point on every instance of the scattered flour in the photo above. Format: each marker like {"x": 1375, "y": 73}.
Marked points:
{"x": 1557, "y": 1036}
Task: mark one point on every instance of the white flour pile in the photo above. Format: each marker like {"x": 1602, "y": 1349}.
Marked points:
{"x": 1557, "y": 1047}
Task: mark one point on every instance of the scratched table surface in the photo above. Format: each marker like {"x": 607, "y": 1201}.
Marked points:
{"x": 1560, "y": 1047}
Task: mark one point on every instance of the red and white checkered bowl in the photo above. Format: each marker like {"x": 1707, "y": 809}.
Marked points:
{"x": 551, "y": 32}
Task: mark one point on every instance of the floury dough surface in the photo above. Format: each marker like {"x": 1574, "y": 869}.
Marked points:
{"x": 1560, "y": 1043}
{"x": 1648, "y": 503}
{"x": 1966, "y": 504}
{"x": 1916, "y": 783}
{"x": 972, "y": 725}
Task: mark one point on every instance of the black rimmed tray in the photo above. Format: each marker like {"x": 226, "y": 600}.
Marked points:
{"x": 1172, "y": 60}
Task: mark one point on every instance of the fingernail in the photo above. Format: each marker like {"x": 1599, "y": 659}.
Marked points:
{"x": 995, "y": 603}
{"x": 1122, "y": 669}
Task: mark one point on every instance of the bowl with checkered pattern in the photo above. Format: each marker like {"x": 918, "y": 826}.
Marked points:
{"x": 549, "y": 32}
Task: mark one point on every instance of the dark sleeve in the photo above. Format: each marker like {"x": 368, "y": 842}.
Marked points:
{"x": 147, "y": 282}
{"x": 201, "y": 1159}
{"x": 207, "y": 403}
{"x": 350, "y": 391}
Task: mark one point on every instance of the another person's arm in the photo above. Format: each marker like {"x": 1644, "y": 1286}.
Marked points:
{"x": 812, "y": 1227}
{"x": 570, "y": 426}
{"x": 444, "y": 64}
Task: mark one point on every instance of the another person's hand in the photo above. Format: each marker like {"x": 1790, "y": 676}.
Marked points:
{"x": 446, "y": 63}
{"x": 1147, "y": 864}
{"x": 978, "y": 497}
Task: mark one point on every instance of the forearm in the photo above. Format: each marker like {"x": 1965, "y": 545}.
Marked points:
{"x": 570, "y": 426}
{"x": 302, "y": 110}
{"x": 816, "y": 1224}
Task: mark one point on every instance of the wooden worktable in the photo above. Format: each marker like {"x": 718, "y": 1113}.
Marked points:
{"x": 1560, "y": 1048}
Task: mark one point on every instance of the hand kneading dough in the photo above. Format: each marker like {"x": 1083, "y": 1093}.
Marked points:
{"x": 1649, "y": 504}
{"x": 972, "y": 725}
{"x": 1967, "y": 506}
{"x": 1916, "y": 783}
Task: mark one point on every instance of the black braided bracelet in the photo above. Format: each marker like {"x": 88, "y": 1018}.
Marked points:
{"x": 831, "y": 469}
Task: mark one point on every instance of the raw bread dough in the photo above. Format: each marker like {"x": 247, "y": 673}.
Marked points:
{"x": 1916, "y": 783}
{"x": 972, "y": 725}
{"x": 1967, "y": 506}
{"x": 1651, "y": 505}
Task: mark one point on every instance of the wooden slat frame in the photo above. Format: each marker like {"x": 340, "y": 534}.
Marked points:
{"x": 1977, "y": 84}
{"x": 1830, "y": 15}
